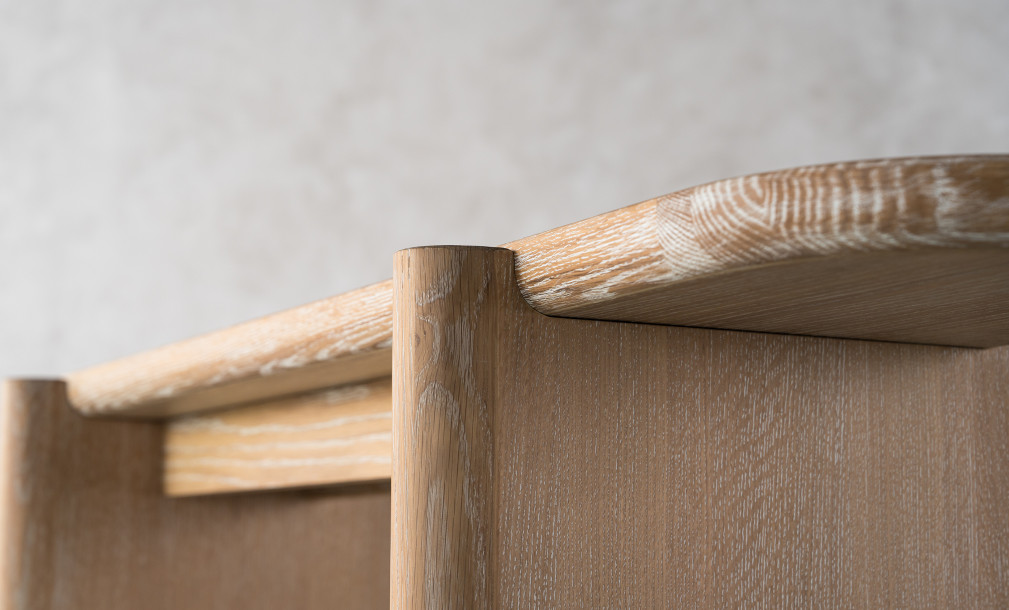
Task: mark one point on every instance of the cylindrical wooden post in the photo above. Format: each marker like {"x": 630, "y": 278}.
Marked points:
{"x": 447, "y": 309}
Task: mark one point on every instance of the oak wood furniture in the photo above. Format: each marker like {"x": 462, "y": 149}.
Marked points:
{"x": 781, "y": 390}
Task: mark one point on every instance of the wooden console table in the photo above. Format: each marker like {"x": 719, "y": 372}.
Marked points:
{"x": 781, "y": 390}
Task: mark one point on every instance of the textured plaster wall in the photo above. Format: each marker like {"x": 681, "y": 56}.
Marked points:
{"x": 167, "y": 168}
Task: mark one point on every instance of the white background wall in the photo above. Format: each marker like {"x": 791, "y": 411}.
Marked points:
{"x": 168, "y": 168}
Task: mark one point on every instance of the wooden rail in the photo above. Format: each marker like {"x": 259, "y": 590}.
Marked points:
{"x": 340, "y": 435}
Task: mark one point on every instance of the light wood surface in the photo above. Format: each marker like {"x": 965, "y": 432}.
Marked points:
{"x": 339, "y": 340}
{"x": 342, "y": 435}
{"x": 910, "y": 250}
{"x": 84, "y": 525}
{"x": 445, "y": 332}
{"x": 547, "y": 462}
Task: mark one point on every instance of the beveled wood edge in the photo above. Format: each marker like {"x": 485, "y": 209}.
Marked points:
{"x": 597, "y": 268}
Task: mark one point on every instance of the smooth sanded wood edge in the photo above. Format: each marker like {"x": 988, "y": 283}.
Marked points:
{"x": 343, "y": 339}
{"x": 807, "y": 213}
{"x": 15, "y": 517}
{"x": 670, "y": 260}
{"x": 329, "y": 437}
{"x": 448, "y": 308}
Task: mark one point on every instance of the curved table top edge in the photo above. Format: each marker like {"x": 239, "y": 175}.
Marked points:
{"x": 630, "y": 265}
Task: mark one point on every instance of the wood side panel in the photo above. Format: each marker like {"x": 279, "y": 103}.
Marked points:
{"x": 733, "y": 469}
{"x": 84, "y": 525}
{"x": 910, "y": 250}
{"x": 988, "y": 539}
{"x": 647, "y": 466}
{"x": 336, "y": 436}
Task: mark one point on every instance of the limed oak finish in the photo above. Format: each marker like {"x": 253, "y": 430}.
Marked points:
{"x": 340, "y": 340}
{"x": 84, "y": 525}
{"x": 912, "y": 250}
{"x": 562, "y": 423}
{"x": 545, "y": 462}
{"x": 342, "y": 435}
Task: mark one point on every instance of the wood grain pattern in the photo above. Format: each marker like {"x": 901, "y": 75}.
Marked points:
{"x": 336, "y": 436}
{"x": 445, "y": 336}
{"x": 339, "y": 340}
{"x": 640, "y": 466}
{"x": 910, "y": 250}
{"x": 84, "y": 525}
